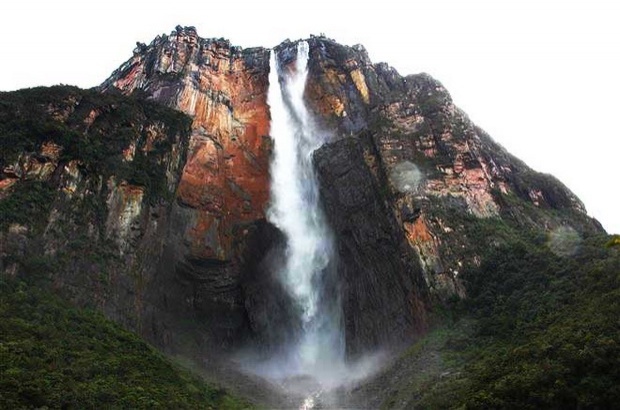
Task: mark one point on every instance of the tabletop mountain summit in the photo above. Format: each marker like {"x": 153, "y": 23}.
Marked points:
{"x": 154, "y": 200}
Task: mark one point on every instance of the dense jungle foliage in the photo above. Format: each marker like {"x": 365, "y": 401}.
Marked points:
{"x": 541, "y": 326}
{"x": 59, "y": 357}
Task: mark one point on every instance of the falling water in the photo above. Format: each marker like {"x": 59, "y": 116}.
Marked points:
{"x": 295, "y": 209}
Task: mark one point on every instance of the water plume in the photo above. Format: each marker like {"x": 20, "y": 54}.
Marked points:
{"x": 295, "y": 209}
{"x": 313, "y": 363}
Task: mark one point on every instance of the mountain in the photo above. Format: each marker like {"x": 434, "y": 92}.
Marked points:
{"x": 146, "y": 198}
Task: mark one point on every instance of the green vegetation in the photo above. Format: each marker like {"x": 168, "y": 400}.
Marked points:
{"x": 55, "y": 356}
{"x": 543, "y": 331}
{"x": 540, "y": 329}
{"x": 613, "y": 241}
{"x": 92, "y": 128}
{"x": 553, "y": 328}
{"x": 29, "y": 203}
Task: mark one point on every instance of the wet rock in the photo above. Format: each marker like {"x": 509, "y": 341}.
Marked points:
{"x": 175, "y": 247}
{"x": 383, "y": 293}
{"x": 271, "y": 310}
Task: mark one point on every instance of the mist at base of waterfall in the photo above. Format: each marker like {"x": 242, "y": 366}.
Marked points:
{"x": 317, "y": 349}
{"x": 324, "y": 385}
{"x": 324, "y": 373}
{"x": 310, "y": 359}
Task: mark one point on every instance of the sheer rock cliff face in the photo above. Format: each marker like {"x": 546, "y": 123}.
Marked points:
{"x": 224, "y": 187}
{"x": 429, "y": 160}
{"x": 87, "y": 183}
{"x": 402, "y": 174}
{"x": 224, "y": 90}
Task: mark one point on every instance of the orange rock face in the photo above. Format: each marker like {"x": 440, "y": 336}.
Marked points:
{"x": 226, "y": 177}
{"x": 417, "y": 231}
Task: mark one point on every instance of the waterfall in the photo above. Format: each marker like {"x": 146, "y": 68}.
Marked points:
{"x": 295, "y": 209}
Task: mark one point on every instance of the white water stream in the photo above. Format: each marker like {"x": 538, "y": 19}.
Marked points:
{"x": 314, "y": 363}
{"x": 296, "y": 211}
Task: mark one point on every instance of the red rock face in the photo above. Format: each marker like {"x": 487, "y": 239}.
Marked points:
{"x": 413, "y": 120}
{"x": 226, "y": 177}
{"x": 180, "y": 259}
{"x": 224, "y": 90}
{"x": 225, "y": 182}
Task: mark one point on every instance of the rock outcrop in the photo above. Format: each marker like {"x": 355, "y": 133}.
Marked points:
{"x": 379, "y": 272}
{"x": 429, "y": 160}
{"x": 224, "y": 90}
{"x": 159, "y": 218}
{"x": 87, "y": 188}
{"x": 224, "y": 186}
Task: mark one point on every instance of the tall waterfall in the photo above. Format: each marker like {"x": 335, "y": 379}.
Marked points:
{"x": 295, "y": 209}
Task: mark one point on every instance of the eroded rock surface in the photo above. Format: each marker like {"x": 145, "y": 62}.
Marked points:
{"x": 158, "y": 219}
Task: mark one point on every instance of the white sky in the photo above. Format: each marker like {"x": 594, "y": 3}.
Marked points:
{"x": 542, "y": 77}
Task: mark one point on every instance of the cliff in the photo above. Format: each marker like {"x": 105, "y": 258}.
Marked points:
{"x": 429, "y": 159}
{"x": 88, "y": 181}
{"x": 157, "y": 217}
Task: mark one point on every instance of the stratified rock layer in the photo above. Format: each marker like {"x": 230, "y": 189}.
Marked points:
{"x": 224, "y": 90}
{"x": 87, "y": 188}
{"x": 429, "y": 160}
{"x": 173, "y": 215}
{"x": 224, "y": 186}
{"x": 380, "y": 273}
